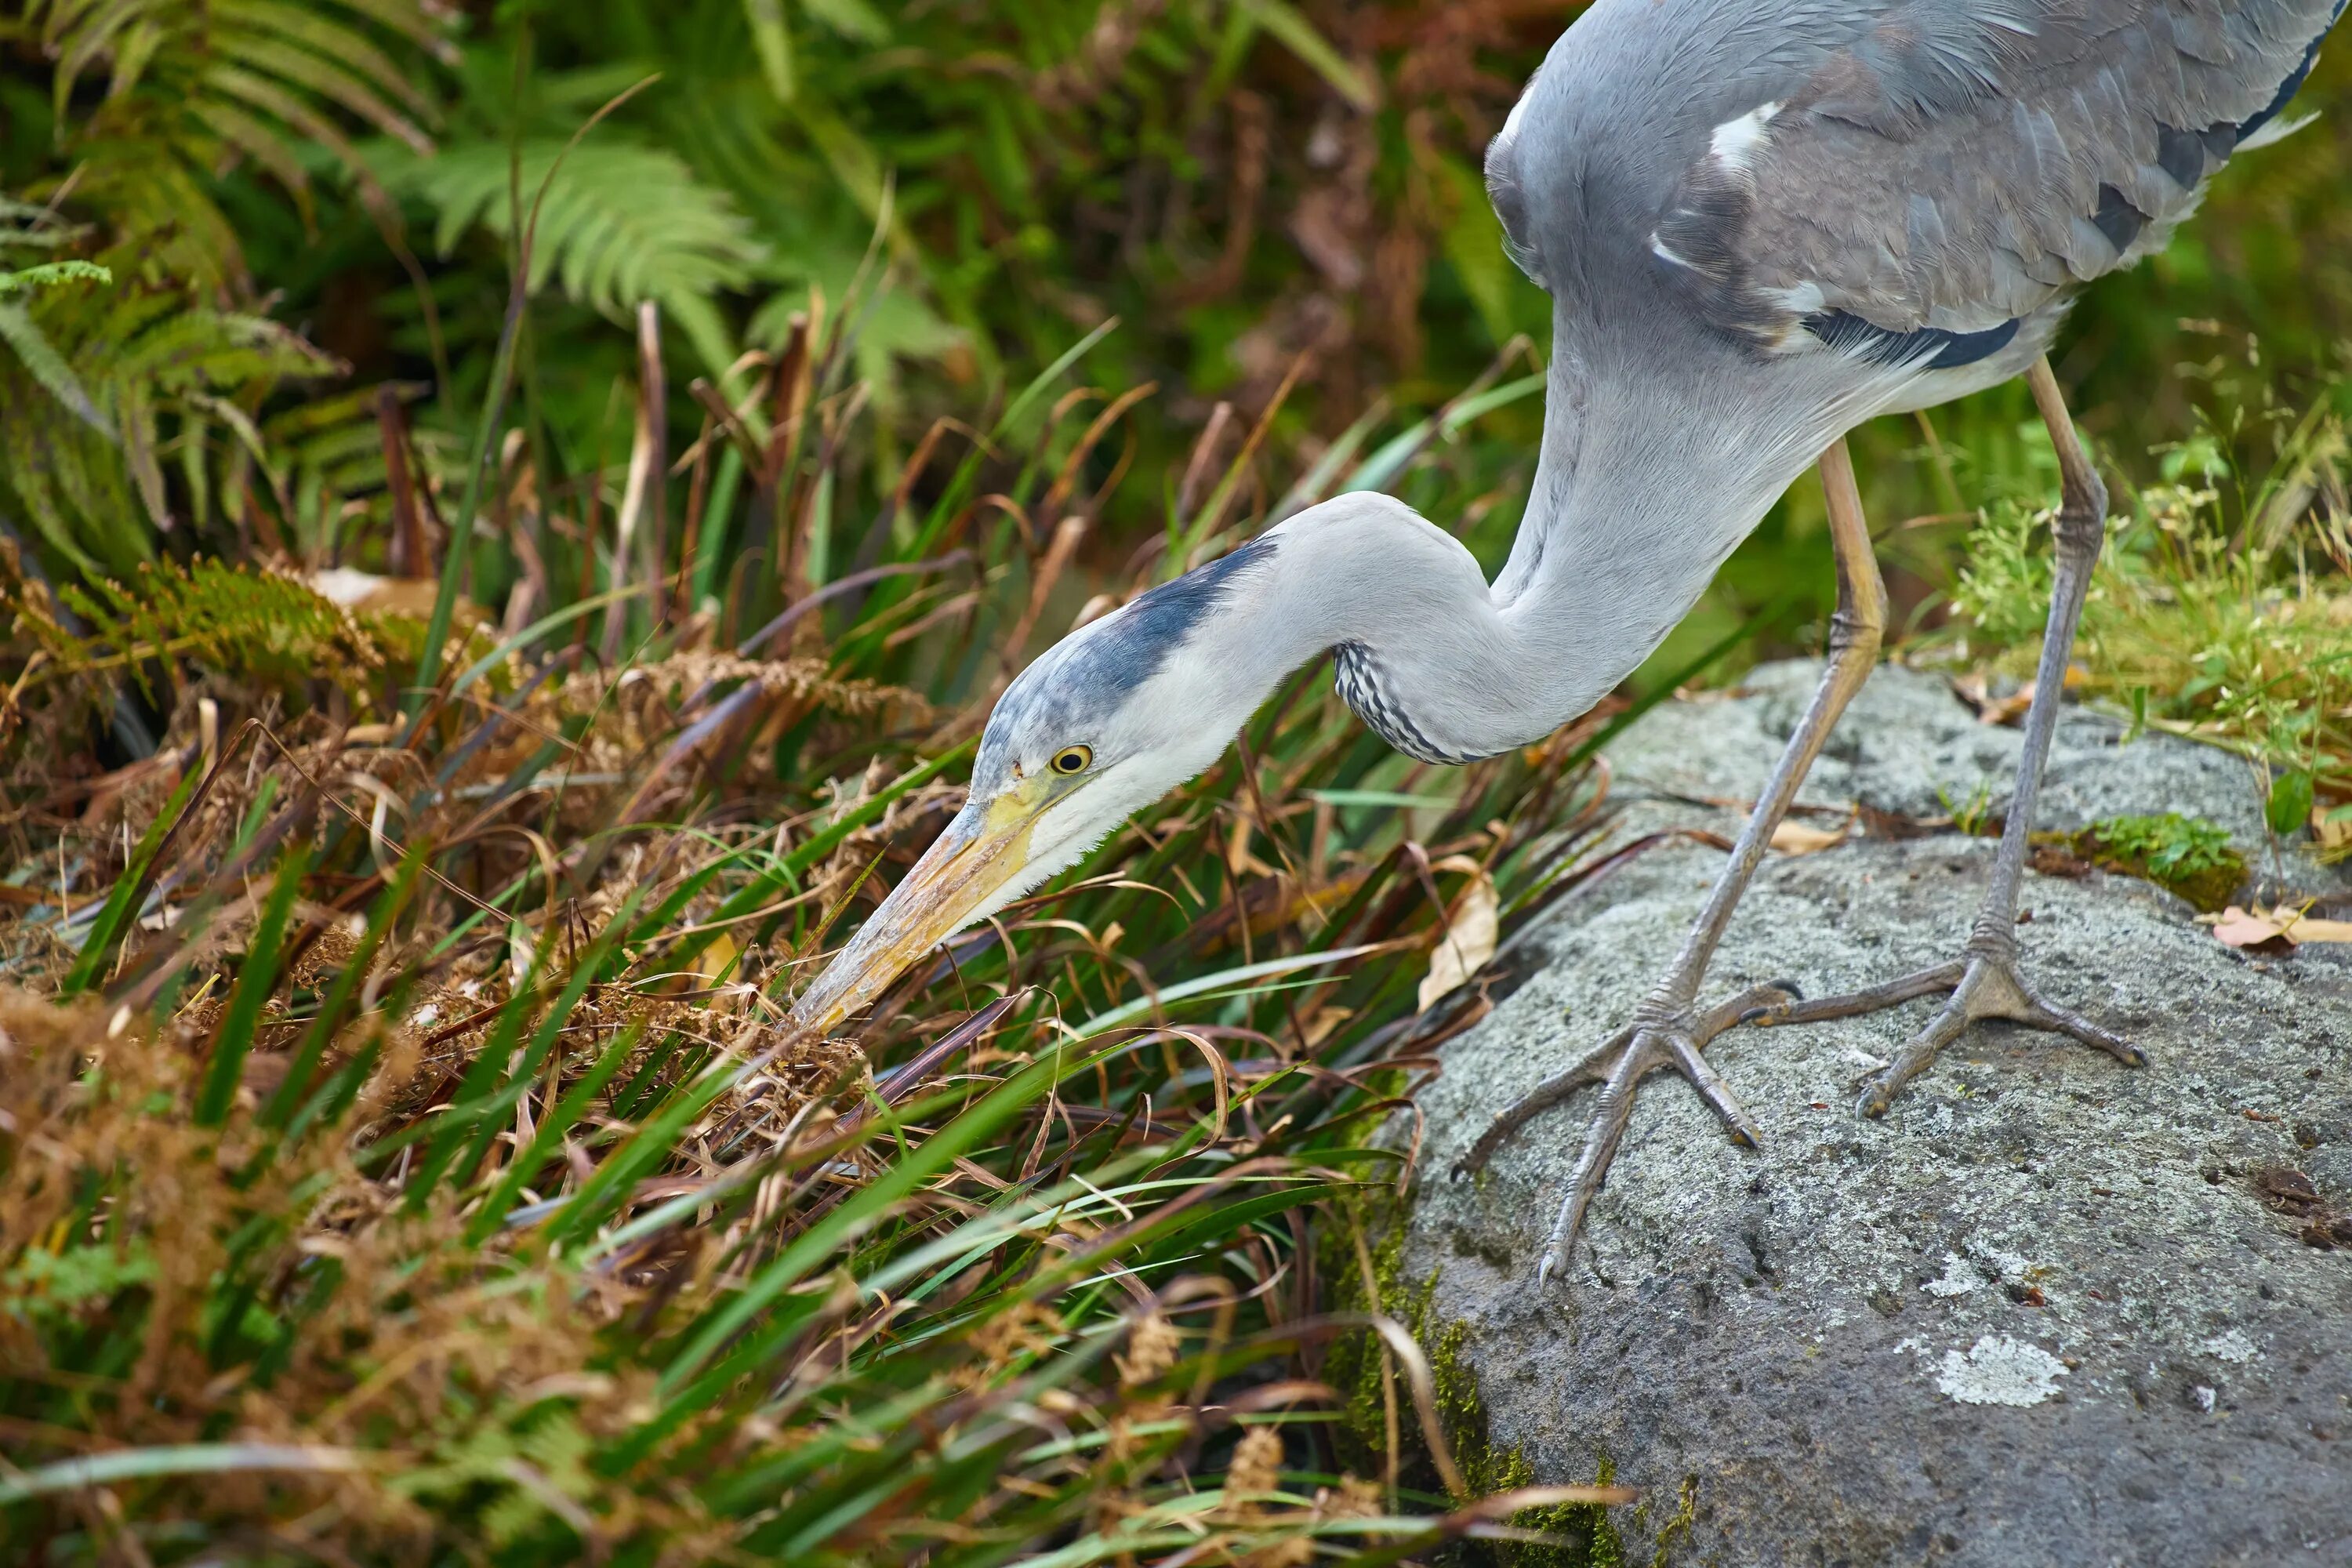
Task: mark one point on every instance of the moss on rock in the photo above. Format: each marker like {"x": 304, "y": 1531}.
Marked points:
{"x": 1581, "y": 1535}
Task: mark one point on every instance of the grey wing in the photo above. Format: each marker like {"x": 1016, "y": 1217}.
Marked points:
{"x": 1949, "y": 169}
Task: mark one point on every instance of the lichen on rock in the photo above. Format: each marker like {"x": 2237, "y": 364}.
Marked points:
{"x": 1999, "y": 1370}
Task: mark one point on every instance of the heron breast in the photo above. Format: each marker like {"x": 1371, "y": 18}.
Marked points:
{"x": 1363, "y": 686}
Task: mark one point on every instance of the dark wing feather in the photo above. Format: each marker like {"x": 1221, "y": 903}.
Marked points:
{"x": 1950, "y": 168}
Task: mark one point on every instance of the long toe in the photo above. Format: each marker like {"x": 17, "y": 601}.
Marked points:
{"x": 1988, "y": 987}
{"x": 1610, "y": 1116}
{"x": 2074, "y": 1025}
{"x": 1878, "y": 1091}
{"x": 1594, "y": 1067}
{"x": 1716, "y": 1093}
{"x": 1935, "y": 982}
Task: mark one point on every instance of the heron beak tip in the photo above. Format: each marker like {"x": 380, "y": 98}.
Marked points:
{"x": 952, "y": 885}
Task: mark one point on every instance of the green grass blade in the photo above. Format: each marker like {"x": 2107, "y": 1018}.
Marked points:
{"x": 307, "y": 1054}
{"x": 253, "y": 984}
{"x": 122, "y": 900}
{"x": 936, "y": 1154}
{"x": 181, "y": 1459}
{"x": 552, "y": 1127}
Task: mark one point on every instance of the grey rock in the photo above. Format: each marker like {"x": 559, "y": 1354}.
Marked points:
{"x": 2039, "y": 1314}
{"x": 1907, "y": 746}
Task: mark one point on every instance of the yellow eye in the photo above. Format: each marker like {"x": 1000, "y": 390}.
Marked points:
{"x": 1072, "y": 759}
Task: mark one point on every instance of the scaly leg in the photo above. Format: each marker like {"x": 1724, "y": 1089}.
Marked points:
{"x": 1667, "y": 1027}
{"x": 1984, "y": 982}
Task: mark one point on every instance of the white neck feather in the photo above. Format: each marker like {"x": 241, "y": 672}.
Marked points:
{"x": 1449, "y": 668}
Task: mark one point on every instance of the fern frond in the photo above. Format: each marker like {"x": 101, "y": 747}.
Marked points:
{"x": 255, "y": 626}
{"x": 50, "y": 274}
{"x": 621, "y": 223}
{"x": 20, "y": 332}
{"x": 190, "y": 87}
{"x": 140, "y": 372}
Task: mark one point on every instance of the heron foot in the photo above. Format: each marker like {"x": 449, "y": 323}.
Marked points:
{"x": 1619, "y": 1064}
{"x": 1983, "y": 985}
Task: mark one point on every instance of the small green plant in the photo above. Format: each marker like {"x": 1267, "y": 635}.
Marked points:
{"x": 2192, "y": 857}
{"x": 1971, "y": 814}
{"x": 2221, "y": 607}
{"x": 2004, "y": 581}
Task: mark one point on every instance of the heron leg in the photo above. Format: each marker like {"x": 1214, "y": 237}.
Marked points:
{"x": 1985, "y": 983}
{"x": 1667, "y": 1030}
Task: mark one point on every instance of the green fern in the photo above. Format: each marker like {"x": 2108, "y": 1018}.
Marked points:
{"x": 105, "y": 390}
{"x": 258, "y": 628}
{"x": 143, "y": 377}
{"x": 190, "y": 88}
{"x": 623, "y": 222}
{"x": 51, "y": 274}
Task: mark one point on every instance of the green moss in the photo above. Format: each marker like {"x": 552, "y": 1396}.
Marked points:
{"x": 1583, "y": 1535}
{"x": 1678, "y": 1527}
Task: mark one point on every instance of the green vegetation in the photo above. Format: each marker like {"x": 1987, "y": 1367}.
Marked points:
{"x": 427, "y": 1167}
{"x": 513, "y": 515}
{"x": 1376, "y": 1436}
{"x": 2190, "y": 855}
{"x": 2222, "y": 606}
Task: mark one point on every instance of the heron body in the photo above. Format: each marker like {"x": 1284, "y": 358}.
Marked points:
{"x": 1761, "y": 223}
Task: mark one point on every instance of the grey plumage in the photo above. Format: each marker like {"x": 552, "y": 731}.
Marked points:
{"x": 1929, "y": 165}
{"x": 1072, "y": 692}
{"x": 1763, "y": 222}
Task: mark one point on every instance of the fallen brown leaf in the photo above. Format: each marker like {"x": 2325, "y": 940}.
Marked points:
{"x": 2305, "y": 928}
{"x": 1796, "y": 838}
{"x": 1976, "y": 693}
{"x": 2254, "y": 933}
{"x": 2259, "y": 928}
{"x": 1880, "y": 824}
{"x": 357, "y": 590}
{"x": 1471, "y": 933}
{"x": 1323, "y": 1020}
{"x": 2057, "y": 860}
{"x": 718, "y": 960}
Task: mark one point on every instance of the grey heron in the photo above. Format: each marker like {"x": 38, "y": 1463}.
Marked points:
{"x": 1761, "y": 223}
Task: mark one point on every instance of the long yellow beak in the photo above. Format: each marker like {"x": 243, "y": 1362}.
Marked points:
{"x": 984, "y": 848}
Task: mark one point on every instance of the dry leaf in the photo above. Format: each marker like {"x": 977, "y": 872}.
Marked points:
{"x": 1323, "y": 1020}
{"x": 1469, "y": 940}
{"x": 1796, "y": 838}
{"x": 1975, "y": 691}
{"x": 2303, "y": 928}
{"x": 365, "y": 591}
{"x": 2327, "y": 830}
{"x": 718, "y": 960}
{"x": 1239, "y": 859}
{"x": 2236, "y": 928}
{"x": 2262, "y": 929}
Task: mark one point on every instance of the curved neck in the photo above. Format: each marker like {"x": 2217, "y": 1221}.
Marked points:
{"x": 1448, "y": 669}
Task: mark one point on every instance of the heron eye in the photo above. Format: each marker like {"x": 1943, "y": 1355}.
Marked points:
{"x": 1072, "y": 759}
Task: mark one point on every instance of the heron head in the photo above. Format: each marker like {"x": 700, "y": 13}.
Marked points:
{"x": 1109, "y": 720}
